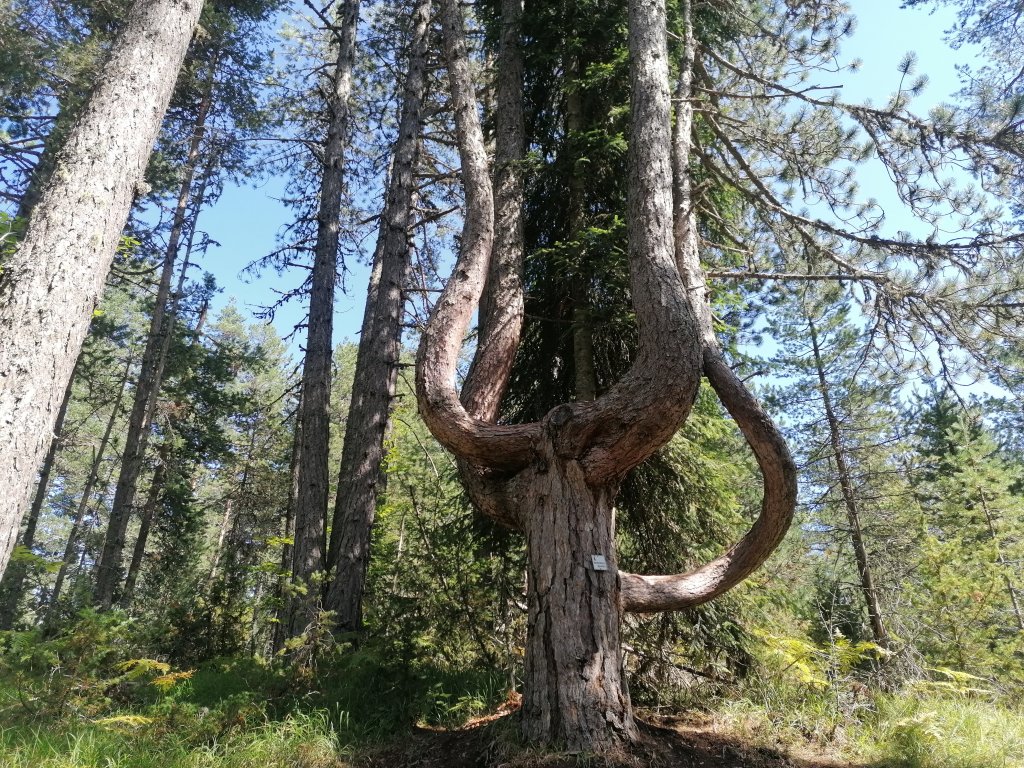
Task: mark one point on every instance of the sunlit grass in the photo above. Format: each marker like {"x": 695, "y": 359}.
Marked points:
{"x": 298, "y": 741}
{"x": 910, "y": 729}
{"x": 914, "y": 731}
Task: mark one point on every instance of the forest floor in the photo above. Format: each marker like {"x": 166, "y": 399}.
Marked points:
{"x": 665, "y": 742}
{"x": 243, "y": 713}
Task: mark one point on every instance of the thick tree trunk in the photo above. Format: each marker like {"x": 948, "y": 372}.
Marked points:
{"x": 154, "y": 359}
{"x": 860, "y": 551}
{"x": 50, "y": 286}
{"x": 13, "y": 581}
{"x": 360, "y": 478}
{"x": 574, "y": 691}
{"x": 556, "y": 478}
{"x": 309, "y": 554}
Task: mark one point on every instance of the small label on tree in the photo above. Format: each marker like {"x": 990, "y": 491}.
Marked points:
{"x": 600, "y": 564}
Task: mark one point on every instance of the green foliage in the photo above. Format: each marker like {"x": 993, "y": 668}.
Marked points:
{"x": 444, "y": 583}
{"x": 683, "y": 507}
{"x": 971, "y": 544}
{"x": 818, "y": 667}
{"x": 74, "y": 673}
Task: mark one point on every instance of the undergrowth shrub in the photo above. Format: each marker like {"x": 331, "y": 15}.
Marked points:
{"x": 75, "y": 672}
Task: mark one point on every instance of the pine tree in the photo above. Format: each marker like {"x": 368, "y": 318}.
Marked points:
{"x": 557, "y": 478}
{"x": 59, "y": 268}
{"x": 967, "y": 596}
{"x": 376, "y": 370}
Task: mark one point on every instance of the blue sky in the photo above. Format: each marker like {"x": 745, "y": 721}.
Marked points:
{"x": 246, "y": 220}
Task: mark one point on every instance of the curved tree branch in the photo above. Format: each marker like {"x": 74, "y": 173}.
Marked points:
{"x": 620, "y": 429}
{"x": 643, "y": 594}
{"x": 661, "y": 593}
{"x": 501, "y": 306}
{"x": 465, "y": 434}
{"x": 611, "y": 435}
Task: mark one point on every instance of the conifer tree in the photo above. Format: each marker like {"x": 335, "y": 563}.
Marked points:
{"x": 967, "y": 596}
{"x": 376, "y": 370}
{"x": 309, "y": 552}
{"x": 557, "y": 478}
{"x": 50, "y": 285}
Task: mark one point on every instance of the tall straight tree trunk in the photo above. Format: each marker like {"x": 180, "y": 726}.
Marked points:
{"x": 867, "y": 579}
{"x": 83, "y": 502}
{"x": 13, "y": 581}
{"x": 50, "y": 285}
{"x": 230, "y": 519}
{"x": 160, "y": 475}
{"x": 285, "y": 604}
{"x": 156, "y": 488}
{"x": 154, "y": 358}
{"x": 360, "y": 478}
{"x": 308, "y": 557}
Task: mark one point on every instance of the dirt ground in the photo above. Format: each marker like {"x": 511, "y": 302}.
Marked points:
{"x": 664, "y": 743}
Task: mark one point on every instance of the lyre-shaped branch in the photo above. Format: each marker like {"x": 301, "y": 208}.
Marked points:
{"x": 661, "y": 593}
{"x": 614, "y": 433}
{"x": 465, "y": 433}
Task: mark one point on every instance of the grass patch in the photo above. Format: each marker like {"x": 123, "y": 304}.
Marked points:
{"x": 236, "y": 713}
{"x": 298, "y": 741}
{"x": 914, "y": 731}
{"x": 909, "y": 729}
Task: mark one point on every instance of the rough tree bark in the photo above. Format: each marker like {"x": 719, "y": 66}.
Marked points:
{"x": 13, "y": 582}
{"x": 557, "y": 479}
{"x": 50, "y": 286}
{"x": 154, "y": 358}
{"x": 376, "y": 375}
{"x": 308, "y": 554}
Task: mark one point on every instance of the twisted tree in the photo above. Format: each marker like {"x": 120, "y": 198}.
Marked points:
{"x": 556, "y": 479}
